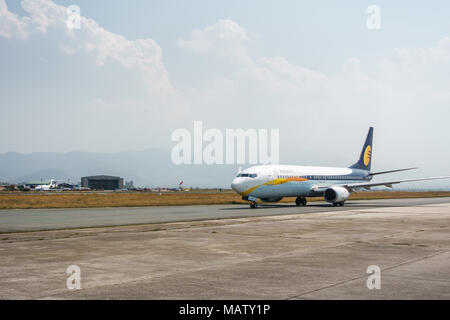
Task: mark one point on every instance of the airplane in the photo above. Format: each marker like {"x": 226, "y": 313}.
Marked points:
{"x": 270, "y": 183}
{"x": 46, "y": 187}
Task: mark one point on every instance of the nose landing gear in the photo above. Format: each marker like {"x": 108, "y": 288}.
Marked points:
{"x": 300, "y": 201}
{"x": 252, "y": 200}
{"x": 340, "y": 204}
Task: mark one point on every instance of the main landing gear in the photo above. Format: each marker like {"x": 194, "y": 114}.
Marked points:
{"x": 253, "y": 205}
{"x": 300, "y": 201}
{"x": 340, "y": 204}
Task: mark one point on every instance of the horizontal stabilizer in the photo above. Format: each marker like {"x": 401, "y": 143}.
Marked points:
{"x": 390, "y": 171}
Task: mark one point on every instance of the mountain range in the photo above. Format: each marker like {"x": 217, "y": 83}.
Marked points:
{"x": 149, "y": 168}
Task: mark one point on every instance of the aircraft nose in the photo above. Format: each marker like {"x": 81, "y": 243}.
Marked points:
{"x": 235, "y": 185}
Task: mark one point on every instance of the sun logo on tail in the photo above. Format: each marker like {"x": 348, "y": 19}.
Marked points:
{"x": 367, "y": 155}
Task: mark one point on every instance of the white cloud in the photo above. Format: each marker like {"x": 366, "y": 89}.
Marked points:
{"x": 131, "y": 90}
{"x": 225, "y": 38}
{"x": 426, "y": 68}
{"x": 10, "y": 24}
{"x": 143, "y": 55}
{"x": 277, "y": 75}
{"x": 423, "y": 68}
{"x": 407, "y": 90}
{"x": 228, "y": 40}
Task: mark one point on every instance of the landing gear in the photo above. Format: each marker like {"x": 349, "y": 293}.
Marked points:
{"x": 340, "y": 204}
{"x": 253, "y": 205}
{"x": 300, "y": 201}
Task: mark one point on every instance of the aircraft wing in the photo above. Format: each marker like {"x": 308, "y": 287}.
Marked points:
{"x": 368, "y": 185}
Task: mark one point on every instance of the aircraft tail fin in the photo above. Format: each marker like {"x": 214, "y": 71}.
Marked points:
{"x": 365, "y": 160}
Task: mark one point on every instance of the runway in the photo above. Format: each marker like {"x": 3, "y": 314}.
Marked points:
{"x": 317, "y": 252}
{"x": 53, "y": 219}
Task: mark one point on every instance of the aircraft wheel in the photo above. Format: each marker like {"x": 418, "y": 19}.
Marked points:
{"x": 300, "y": 201}
{"x": 335, "y": 204}
{"x": 253, "y": 205}
{"x": 341, "y": 204}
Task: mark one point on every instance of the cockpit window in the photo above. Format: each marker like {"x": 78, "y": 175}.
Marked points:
{"x": 247, "y": 175}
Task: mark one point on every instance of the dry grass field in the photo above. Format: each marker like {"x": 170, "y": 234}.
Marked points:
{"x": 92, "y": 200}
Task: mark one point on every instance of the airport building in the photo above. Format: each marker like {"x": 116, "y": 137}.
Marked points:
{"x": 102, "y": 182}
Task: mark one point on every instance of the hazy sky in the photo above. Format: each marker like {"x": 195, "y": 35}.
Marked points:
{"x": 137, "y": 70}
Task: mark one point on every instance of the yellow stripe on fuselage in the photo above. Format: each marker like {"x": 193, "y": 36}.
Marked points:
{"x": 272, "y": 182}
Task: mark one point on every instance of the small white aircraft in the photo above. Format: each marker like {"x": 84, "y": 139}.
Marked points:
{"x": 271, "y": 183}
{"x": 46, "y": 187}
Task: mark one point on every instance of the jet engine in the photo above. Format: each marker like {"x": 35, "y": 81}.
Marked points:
{"x": 336, "y": 194}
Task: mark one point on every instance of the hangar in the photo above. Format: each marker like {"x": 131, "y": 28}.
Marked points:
{"x": 102, "y": 182}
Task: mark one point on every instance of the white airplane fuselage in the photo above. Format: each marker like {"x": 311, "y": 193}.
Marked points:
{"x": 46, "y": 187}
{"x": 275, "y": 181}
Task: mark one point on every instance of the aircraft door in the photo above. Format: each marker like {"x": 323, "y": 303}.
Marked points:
{"x": 272, "y": 176}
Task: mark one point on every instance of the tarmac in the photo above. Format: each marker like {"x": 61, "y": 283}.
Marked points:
{"x": 230, "y": 252}
{"x": 53, "y": 219}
